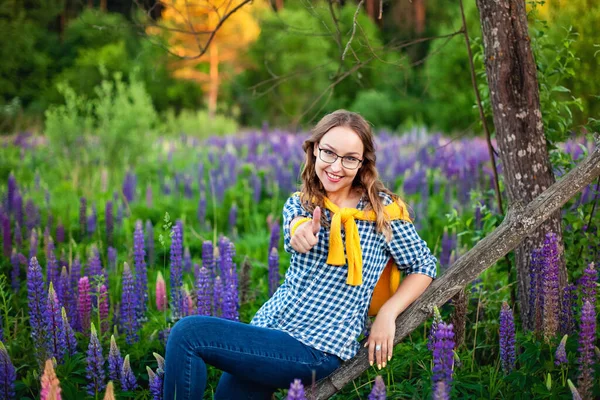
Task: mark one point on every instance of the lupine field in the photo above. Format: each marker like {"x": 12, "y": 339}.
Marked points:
{"x": 98, "y": 262}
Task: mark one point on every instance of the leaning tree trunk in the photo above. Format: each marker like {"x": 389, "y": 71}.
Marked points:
{"x": 514, "y": 95}
{"x": 519, "y": 223}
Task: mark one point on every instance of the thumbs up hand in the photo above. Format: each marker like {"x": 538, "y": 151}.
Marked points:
{"x": 306, "y": 235}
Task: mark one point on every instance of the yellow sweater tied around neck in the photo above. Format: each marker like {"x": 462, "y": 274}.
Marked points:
{"x": 348, "y": 217}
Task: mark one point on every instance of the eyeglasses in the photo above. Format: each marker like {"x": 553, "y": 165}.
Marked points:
{"x": 330, "y": 157}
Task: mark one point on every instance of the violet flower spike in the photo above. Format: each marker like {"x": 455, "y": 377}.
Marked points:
{"x": 128, "y": 381}
{"x": 8, "y": 375}
{"x": 103, "y": 309}
{"x": 58, "y": 341}
{"x": 141, "y": 273}
{"x": 37, "y": 302}
{"x": 176, "y": 272}
{"x": 586, "y": 359}
{"x": 296, "y": 391}
{"x": 507, "y": 339}
{"x": 550, "y": 285}
{"x": 560, "y": 356}
{"x": 203, "y": 292}
{"x": 274, "y": 275}
{"x": 155, "y": 384}
{"x": 443, "y": 357}
{"x": 70, "y": 340}
{"x": 128, "y": 318}
{"x": 378, "y": 392}
{"x": 115, "y": 361}
{"x": 95, "y": 365}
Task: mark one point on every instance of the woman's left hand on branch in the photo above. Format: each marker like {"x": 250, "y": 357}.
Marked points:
{"x": 381, "y": 339}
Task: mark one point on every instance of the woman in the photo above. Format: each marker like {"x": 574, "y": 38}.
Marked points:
{"x": 311, "y": 323}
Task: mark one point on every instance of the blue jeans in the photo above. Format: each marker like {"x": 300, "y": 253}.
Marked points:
{"x": 255, "y": 361}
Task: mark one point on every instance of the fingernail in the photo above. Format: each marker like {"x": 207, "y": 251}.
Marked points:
{"x": 379, "y": 366}
{"x": 384, "y": 364}
{"x": 371, "y": 363}
{"x": 389, "y": 358}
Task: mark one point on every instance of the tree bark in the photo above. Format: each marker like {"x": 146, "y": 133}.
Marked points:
{"x": 514, "y": 95}
{"x": 520, "y": 222}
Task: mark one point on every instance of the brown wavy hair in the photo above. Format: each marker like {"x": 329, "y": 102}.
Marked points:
{"x": 367, "y": 177}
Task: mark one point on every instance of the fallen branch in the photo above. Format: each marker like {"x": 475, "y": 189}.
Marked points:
{"x": 519, "y": 222}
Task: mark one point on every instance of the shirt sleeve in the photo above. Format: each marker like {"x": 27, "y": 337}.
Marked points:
{"x": 291, "y": 209}
{"x": 409, "y": 251}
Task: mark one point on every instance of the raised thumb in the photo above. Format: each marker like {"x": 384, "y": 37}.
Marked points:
{"x": 316, "y": 221}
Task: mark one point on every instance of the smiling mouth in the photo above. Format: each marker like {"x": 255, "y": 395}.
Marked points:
{"x": 333, "y": 177}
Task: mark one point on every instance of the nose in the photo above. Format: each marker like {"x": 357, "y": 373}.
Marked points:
{"x": 337, "y": 165}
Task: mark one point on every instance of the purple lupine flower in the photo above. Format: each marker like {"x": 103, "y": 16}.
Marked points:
{"x": 179, "y": 223}
{"x": 208, "y": 260}
{"x": 560, "y": 356}
{"x": 150, "y": 242}
{"x": 127, "y": 317}
{"x": 18, "y": 208}
{"x": 33, "y": 243}
{"x": 91, "y": 222}
{"x": 128, "y": 381}
{"x": 8, "y": 375}
{"x": 6, "y": 235}
{"x": 73, "y": 296}
{"x": 536, "y": 299}
{"x": 95, "y": 365}
{"x": 568, "y": 301}
{"x": 296, "y": 391}
{"x": 186, "y": 307}
{"x": 141, "y": 273}
{"x": 129, "y": 186}
{"x": 442, "y": 356}
{"x": 275, "y": 235}
{"x": 437, "y": 318}
{"x": 378, "y": 392}
{"x": 586, "y": 359}
{"x": 507, "y": 338}
{"x": 176, "y": 274}
{"x": 574, "y": 392}
{"x": 163, "y": 335}
{"x": 15, "y": 260}
{"x": 84, "y": 304}
{"x": 229, "y": 276}
{"x": 440, "y": 393}
{"x": 115, "y": 361}
{"x": 11, "y": 190}
{"x": 233, "y": 217}
{"x": 274, "y": 276}
{"x": 60, "y": 232}
{"x": 550, "y": 285}
{"x": 203, "y": 295}
{"x": 202, "y": 211}
{"x": 449, "y": 242}
{"x": 70, "y": 340}
{"x": 94, "y": 270}
{"x": 588, "y": 283}
{"x": 217, "y": 297}
{"x": 155, "y": 384}
{"x": 31, "y": 215}
{"x": 108, "y": 219}
{"x": 52, "y": 274}
{"x": 54, "y": 326}
{"x": 18, "y": 236}
{"x": 103, "y": 309}
{"x": 187, "y": 260}
{"x": 62, "y": 287}
{"x": 37, "y": 302}
{"x": 149, "y": 196}
{"x": 112, "y": 258}
{"x": 82, "y": 217}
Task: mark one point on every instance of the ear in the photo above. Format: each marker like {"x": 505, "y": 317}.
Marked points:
{"x": 316, "y": 149}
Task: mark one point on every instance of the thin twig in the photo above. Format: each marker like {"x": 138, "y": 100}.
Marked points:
{"x": 354, "y": 23}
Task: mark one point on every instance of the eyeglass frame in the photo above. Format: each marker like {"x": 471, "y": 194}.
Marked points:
{"x": 338, "y": 156}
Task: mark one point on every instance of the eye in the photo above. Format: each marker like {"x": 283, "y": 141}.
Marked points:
{"x": 352, "y": 159}
{"x": 328, "y": 152}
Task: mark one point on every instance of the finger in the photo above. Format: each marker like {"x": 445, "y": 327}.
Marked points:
{"x": 316, "y": 221}
{"x": 370, "y": 352}
{"x": 390, "y": 349}
{"x": 382, "y": 354}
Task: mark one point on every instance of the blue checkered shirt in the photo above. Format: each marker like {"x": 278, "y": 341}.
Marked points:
{"x": 315, "y": 305}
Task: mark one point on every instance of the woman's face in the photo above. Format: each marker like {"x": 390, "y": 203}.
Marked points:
{"x": 335, "y": 177}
